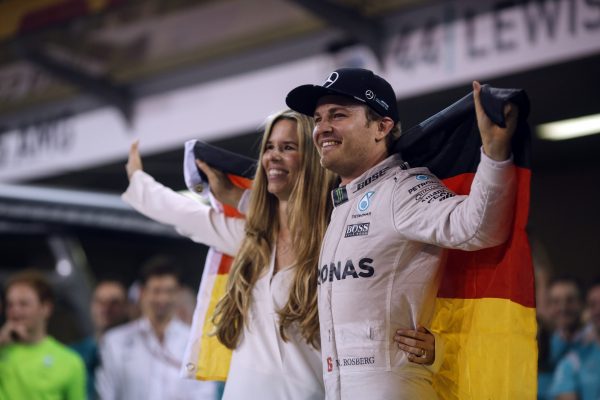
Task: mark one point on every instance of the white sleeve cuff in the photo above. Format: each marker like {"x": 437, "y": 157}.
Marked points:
{"x": 493, "y": 163}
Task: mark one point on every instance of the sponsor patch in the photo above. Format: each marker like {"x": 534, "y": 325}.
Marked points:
{"x": 417, "y": 188}
{"x": 339, "y": 196}
{"x": 439, "y": 195}
{"x": 371, "y": 179}
{"x": 361, "y": 215}
{"x": 364, "y": 202}
{"x": 429, "y": 190}
{"x": 344, "y": 270}
{"x": 357, "y": 229}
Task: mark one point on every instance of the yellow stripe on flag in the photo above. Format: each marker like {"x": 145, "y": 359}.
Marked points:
{"x": 213, "y": 364}
{"x": 490, "y": 349}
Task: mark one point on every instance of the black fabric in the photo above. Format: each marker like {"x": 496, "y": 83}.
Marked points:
{"x": 448, "y": 142}
{"x": 224, "y": 160}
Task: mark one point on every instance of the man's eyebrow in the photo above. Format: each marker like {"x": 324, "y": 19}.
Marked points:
{"x": 335, "y": 109}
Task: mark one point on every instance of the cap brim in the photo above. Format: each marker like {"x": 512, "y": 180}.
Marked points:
{"x": 304, "y": 99}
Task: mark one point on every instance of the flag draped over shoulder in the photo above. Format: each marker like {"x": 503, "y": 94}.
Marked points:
{"x": 485, "y": 310}
{"x": 205, "y": 357}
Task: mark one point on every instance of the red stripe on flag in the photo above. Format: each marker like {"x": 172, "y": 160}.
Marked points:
{"x": 231, "y": 211}
{"x": 225, "y": 265}
{"x": 504, "y": 271}
{"x": 226, "y": 261}
{"x": 240, "y": 181}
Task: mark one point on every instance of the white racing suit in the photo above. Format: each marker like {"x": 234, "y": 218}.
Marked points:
{"x": 380, "y": 268}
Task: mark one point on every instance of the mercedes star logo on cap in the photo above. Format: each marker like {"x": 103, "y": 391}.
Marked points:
{"x": 331, "y": 80}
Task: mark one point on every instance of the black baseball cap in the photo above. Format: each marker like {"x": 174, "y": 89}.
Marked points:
{"x": 357, "y": 83}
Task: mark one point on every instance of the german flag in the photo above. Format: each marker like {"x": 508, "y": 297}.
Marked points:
{"x": 205, "y": 357}
{"x": 485, "y": 310}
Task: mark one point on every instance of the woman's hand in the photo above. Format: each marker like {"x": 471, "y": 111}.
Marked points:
{"x": 134, "y": 162}
{"x": 419, "y": 344}
{"x": 220, "y": 186}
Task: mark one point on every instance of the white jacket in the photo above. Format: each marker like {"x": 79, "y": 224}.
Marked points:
{"x": 380, "y": 269}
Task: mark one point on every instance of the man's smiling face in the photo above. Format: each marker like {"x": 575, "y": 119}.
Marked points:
{"x": 346, "y": 140}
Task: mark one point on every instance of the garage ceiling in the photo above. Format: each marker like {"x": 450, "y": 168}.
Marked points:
{"x": 59, "y": 57}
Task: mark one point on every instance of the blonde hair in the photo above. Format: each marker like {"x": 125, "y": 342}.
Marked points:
{"x": 309, "y": 209}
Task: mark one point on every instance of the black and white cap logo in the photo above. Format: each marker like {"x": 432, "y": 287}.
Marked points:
{"x": 369, "y": 94}
{"x": 331, "y": 80}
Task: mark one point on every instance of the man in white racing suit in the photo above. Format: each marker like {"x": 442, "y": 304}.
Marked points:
{"x": 381, "y": 258}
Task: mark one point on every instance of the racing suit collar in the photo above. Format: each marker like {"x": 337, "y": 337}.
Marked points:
{"x": 342, "y": 194}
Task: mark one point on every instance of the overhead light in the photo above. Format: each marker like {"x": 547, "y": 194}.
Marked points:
{"x": 570, "y": 128}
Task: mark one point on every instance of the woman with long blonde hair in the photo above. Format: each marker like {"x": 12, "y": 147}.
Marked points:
{"x": 271, "y": 292}
{"x": 268, "y": 315}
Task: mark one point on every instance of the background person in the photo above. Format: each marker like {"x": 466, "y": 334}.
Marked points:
{"x": 186, "y": 304}
{"x": 577, "y": 375}
{"x": 109, "y": 308}
{"x": 565, "y": 308}
{"x": 140, "y": 360}
{"x": 562, "y": 333}
{"x": 32, "y": 364}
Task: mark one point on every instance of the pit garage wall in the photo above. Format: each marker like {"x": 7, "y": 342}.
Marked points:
{"x": 428, "y": 50}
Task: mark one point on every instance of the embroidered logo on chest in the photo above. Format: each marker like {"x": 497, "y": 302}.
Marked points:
{"x": 365, "y": 202}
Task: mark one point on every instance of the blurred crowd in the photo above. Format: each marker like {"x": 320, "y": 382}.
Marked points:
{"x": 568, "y": 339}
{"x": 135, "y": 350}
{"x": 140, "y": 335}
